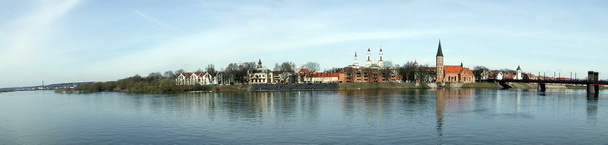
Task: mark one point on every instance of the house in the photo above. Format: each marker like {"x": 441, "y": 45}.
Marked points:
{"x": 482, "y": 74}
{"x": 196, "y": 78}
{"x": 320, "y": 77}
{"x": 260, "y": 75}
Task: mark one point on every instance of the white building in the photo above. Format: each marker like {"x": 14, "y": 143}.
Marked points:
{"x": 261, "y": 75}
{"x": 369, "y": 62}
{"x": 518, "y": 76}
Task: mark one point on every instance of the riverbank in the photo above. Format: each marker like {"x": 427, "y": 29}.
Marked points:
{"x": 337, "y": 86}
{"x": 347, "y": 86}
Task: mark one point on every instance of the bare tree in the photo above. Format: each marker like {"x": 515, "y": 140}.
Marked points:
{"x": 168, "y": 74}
{"x": 311, "y": 66}
{"x": 180, "y": 71}
{"x": 287, "y": 66}
{"x": 210, "y": 68}
{"x": 388, "y": 64}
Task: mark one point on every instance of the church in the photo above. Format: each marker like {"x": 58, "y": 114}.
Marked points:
{"x": 451, "y": 73}
{"x": 374, "y": 63}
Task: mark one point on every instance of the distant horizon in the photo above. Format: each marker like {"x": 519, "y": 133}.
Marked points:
{"x": 79, "y": 41}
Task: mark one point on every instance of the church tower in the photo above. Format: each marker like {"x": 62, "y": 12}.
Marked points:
{"x": 518, "y": 76}
{"x": 356, "y": 61}
{"x": 381, "y": 62}
{"x": 439, "y": 62}
{"x": 260, "y": 63}
{"x": 368, "y": 62}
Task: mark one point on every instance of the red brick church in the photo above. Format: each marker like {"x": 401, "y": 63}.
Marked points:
{"x": 452, "y": 73}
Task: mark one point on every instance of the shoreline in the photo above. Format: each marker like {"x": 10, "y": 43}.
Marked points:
{"x": 350, "y": 86}
{"x": 392, "y": 86}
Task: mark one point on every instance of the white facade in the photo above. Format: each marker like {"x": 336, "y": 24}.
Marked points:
{"x": 196, "y": 78}
{"x": 325, "y": 79}
{"x": 518, "y": 76}
{"x": 369, "y": 62}
{"x": 499, "y": 76}
{"x": 261, "y": 75}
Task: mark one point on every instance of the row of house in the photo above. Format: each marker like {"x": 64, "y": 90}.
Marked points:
{"x": 203, "y": 78}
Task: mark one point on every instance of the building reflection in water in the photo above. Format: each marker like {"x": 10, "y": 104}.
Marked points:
{"x": 251, "y": 106}
{"x": 451, "y": 100}
{"x": 376, "y": 105}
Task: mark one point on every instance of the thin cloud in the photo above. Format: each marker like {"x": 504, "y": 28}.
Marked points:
{"x": 158, "y": 22}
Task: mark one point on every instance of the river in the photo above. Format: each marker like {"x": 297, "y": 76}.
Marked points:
{"x": 415, "y": 116}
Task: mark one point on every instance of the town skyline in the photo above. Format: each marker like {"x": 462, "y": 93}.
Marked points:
{"x": 76, "y": 41}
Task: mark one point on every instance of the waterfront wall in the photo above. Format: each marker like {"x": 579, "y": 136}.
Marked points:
{"x": 307, "y": 86}
{"x": 366, "y": 86}
{"x": 231, "y": 88}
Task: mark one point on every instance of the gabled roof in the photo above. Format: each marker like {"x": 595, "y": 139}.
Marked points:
{"x": 187, "y": 74}
{"x": 466, "y": 71}
{"x": 452, "y": 68}
{"x": 509, "y": 76}
{"x": 303, "y": 71}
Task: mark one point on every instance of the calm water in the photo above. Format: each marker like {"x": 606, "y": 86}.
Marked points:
{"x": 464, "y": 116}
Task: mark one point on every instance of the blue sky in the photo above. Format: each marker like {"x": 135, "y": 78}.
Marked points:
{"x": 94, "y": 40}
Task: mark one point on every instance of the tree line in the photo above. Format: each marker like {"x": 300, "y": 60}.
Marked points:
{"x": 153, "y": 83}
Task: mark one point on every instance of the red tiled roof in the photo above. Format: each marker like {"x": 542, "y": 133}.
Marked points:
{"x": 466, "y": 71}
{"x": 303, "y": 71}
{"x": 317, "y": 75}
{"x": 186, "y": 74}
{"x": 452, "y": 68}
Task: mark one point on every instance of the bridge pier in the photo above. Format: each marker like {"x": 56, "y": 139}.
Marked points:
{"x": 542, "y": 87}
{"x": 592, "y": 77}
{"x": 592, "y": 89}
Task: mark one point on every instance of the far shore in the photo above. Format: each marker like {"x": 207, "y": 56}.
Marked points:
{"x": 390, "y": 86}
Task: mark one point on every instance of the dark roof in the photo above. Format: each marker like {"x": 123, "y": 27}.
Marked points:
{"x": 518, "y": 68}
{"x": 439, "y": 52}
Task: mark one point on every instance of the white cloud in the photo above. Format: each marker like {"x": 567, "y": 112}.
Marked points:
{"x": 26, "y": 36}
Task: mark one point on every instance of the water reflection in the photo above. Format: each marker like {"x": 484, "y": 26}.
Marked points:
{"x": 451, "y": 100}
{"x": 592, "y": 102}
{"x": 417, "y": 116}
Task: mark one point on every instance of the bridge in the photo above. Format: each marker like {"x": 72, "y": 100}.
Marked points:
{"x": 592, "y": 82}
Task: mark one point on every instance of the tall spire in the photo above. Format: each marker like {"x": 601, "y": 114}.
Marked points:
{"x": 260, "y": 63}
{"x": 439, "y": 52}
{"x": 355, "y": 60}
